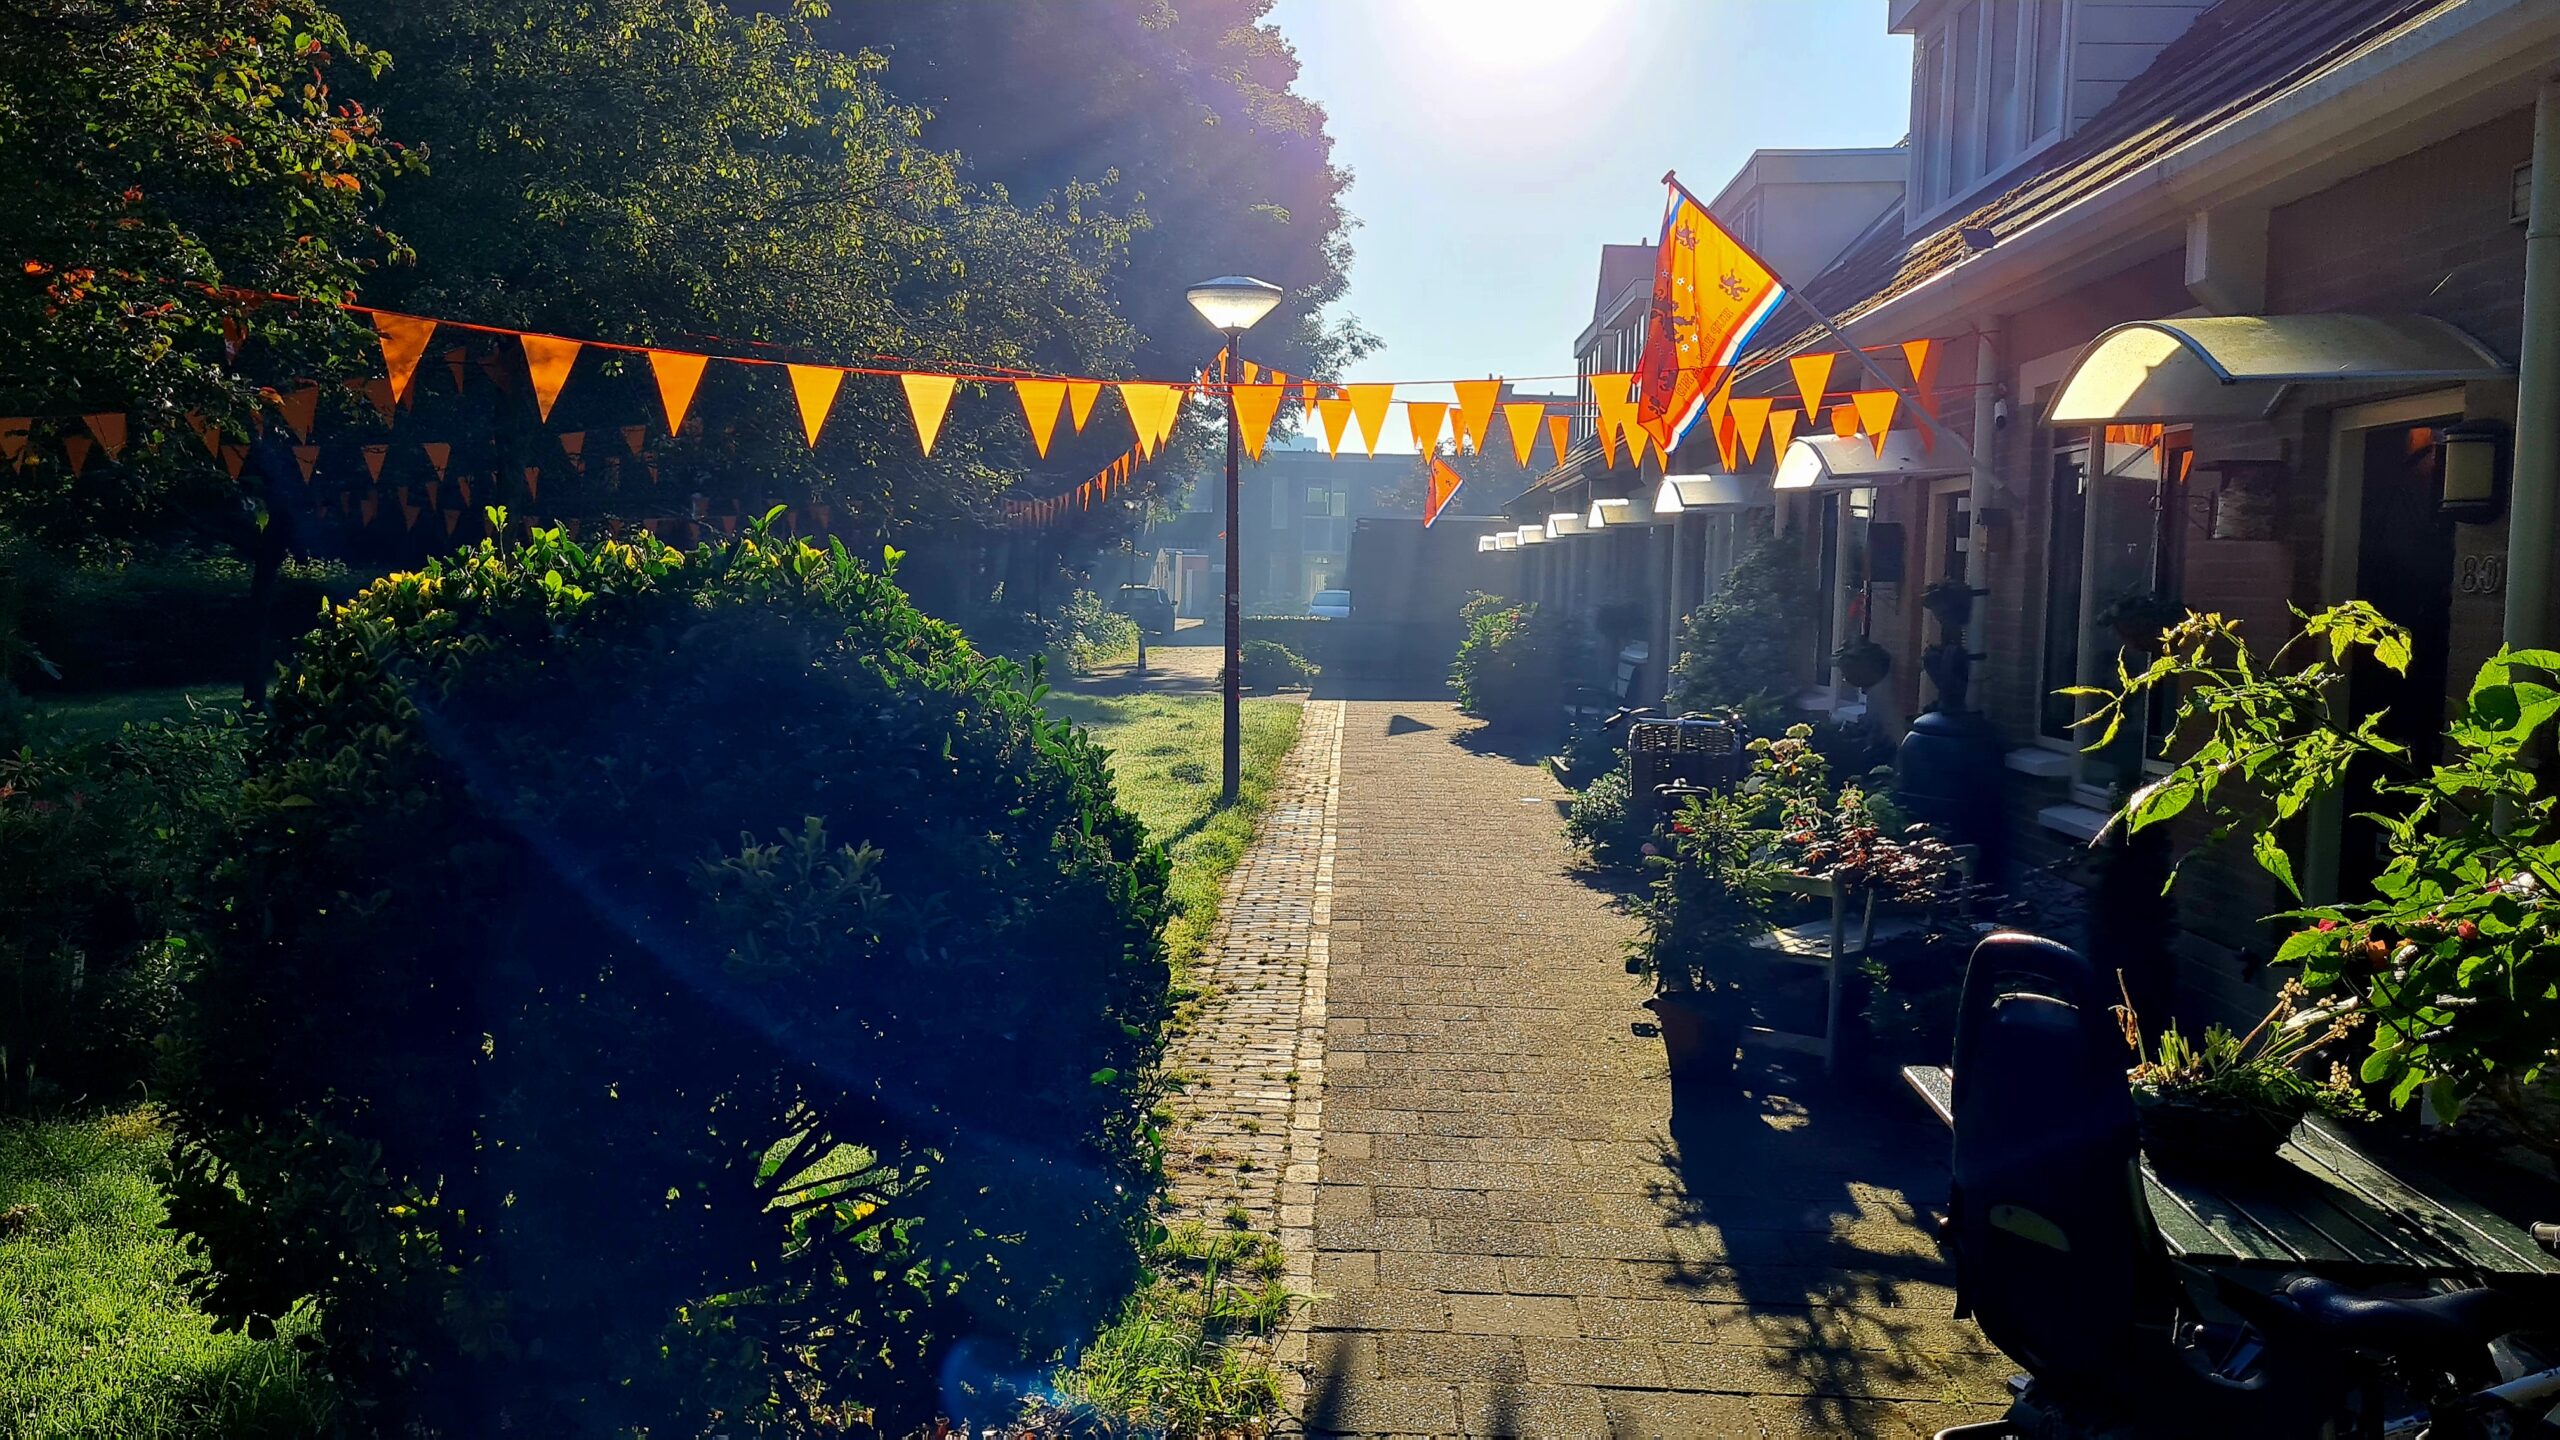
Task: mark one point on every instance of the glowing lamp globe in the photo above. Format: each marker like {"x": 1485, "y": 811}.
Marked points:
{"x": 1233, "y": 303}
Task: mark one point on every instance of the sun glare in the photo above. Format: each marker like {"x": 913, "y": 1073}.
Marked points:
{"x": 1509, "y": 34}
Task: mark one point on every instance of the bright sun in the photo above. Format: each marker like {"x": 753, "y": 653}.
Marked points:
{"x": 1509, "y": 34}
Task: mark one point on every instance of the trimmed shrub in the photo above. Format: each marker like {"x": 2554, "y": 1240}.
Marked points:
{"x": 1091, "y": 635}
{"x": 1745, "y": 648}
{"x": 1512, "y": 668}
{"x": 1269, "y": 665}
{"x": 172, "y": 620}
{"x": 1606, "y": 820}
{"x": 671, "y": 992}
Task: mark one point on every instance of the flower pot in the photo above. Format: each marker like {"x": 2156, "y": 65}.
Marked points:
{"x": 2191, "y": 1135}
{"x": 1865, "y": 668}
{"x": 1700, "y": 1032}
{"x": 1954, "y": 608}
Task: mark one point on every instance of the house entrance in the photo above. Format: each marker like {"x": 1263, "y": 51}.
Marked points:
{"x": 2404, "y": 566}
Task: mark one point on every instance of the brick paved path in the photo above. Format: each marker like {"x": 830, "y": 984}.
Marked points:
{"x": 1516, "y": 1230}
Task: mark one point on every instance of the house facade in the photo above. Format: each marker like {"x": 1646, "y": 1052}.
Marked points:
{"x": 2205, "y": 286}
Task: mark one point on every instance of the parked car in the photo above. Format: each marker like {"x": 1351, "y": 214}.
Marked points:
{"x": 1148, "y": 606}
{"x": 1331, "y": 605}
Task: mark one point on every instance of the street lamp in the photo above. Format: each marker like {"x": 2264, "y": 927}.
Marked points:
{"x": 1233, "y": 304}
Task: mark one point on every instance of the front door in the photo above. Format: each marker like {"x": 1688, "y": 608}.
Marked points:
{"x": 2404, "y": 567}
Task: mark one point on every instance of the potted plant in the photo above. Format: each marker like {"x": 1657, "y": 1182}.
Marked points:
{"x": 2138, "y": 617}
{"x": 1951, "y": 600}
{"x": 1700, "y": 916}
{"x": 2232, "y": 1099}
{"x": 1862, "y": 662}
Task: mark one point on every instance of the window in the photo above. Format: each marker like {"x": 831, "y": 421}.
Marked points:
{"x": 1319, "y": 500}
{"x": 1987, "y": 90}
{"x": 2119, "y": 530}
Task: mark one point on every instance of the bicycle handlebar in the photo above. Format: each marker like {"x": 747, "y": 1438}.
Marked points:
{"x": 2548, "y": 1237}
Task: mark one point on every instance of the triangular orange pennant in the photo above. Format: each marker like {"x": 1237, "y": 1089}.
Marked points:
{"x": 307, "y": 457}
{"x": 76, "y": 448}
{"x": 453, "y": 362}
{"x": 464, "y": 484}
{"x": 434, "y": 493}
{"x": 1335, "y": 413}
{"x": 374, "y": 455}
{"x": 1728, "y": 434}
{"x": 1476, "y": 399}
{"x": 547, "y": 359}
{"x": 1813, "y": 375}
{"x": 678, "y": 375}
{"x": 452, "y": 521}
{"x": 1782, "y": 431}
{"x": 1152, "y": 411}
{"x": 206, "y": 431}
{"x": 404, "y": 342}
{"x": 1080, "y": 397}
{"x": 1560, "y": 436}
{"x": 1040, "y": 401}
{"x": 1255, "y": 407}
{"x": 1427, "y": 418}
{"x": 1617, "y": 412}
{"x": 533, "y": 482}
{"x": 1309, "y": 392}
{"x": 371, "y": 506}
{"x": 235, "y": 458}
{"x": 1440, "y": 489}
{"x": 928, "y": 400}
{"x": 1921, "y": 356}
{"x": 815, "y": 386}
{"x": 1522, "y": 417}
{"x": 1875, "y": 413}
{"x": 1717, "y": 404}
{"x": 634, "y": 436}
{"x": 300, "y": 408}
{"x": 1369, "y": 407}
{"x": 1252, "y": 372}
{"x": 408, "y": 512}
{"x": 574, "y": 442}
{"x": 1750, "y": 422}
{"x": 110, "y": 430}
{"x": 439, "y": 455}
{"x": 1844, "y": 421}
{"x": 13, "y": 437}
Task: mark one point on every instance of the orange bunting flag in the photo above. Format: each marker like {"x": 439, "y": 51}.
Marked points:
{"x": 1522, "y": 418}
{"x": 1426, "y": 418}
{"x": 371, "y": 507}
{"x": 815, "y": 386}
{"x": 1875, "y": 413}
{"x": 1782, "y": 431}
{"x": 76, "y": 448}
{"x": 1442, "y": 489}
{"x": 1844, "y": 421}
{"x": 1476, "y": 399}
{"x": 299, "y": 409}
{"x": 439, "y": 455}
{"x": 452, "y": 521}
{"x": 110, "y": 430}
{"x": 235, "y": 458}
{"x": 1153, "y": 410}
{"x": 13, "y": 438}
{"x": 308, "y": 458}
{"x": 1750, "y": 422}
{"x": 547, "y": 359}
{"x": 404, "y": 343}
{"x": 1041, "y": 400}
{"x": 1813, "y": 376}
{"x": 678, "y": 376}
{"x": 1309, "y": 392}
{"x": 633, "y": 436}
{"x": 373, "y": 458}
{"x": 928, "y": 400}
{"x": 1252, "y": 372}
{"x": 434, "y": 493}
{"x": 206, "y": 431}
{"x": 575, "y": 443}
{"x": 465, "y": 484}
{"x": 1921, "y": 356}
{"x": 1335, "y": 413}
{"x": 453, "y": 361}
{"x": 533, "y": 482}
{"x": 1617, "y": 412}
{"x": 1255, "y": 407}
{"x": 1560, "y": 436}
{"x": 1080, "y": 397}
{"x": 1369, "y": 406}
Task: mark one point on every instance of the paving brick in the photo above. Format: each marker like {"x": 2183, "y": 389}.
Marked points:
{"x": 1514, "y": 1315}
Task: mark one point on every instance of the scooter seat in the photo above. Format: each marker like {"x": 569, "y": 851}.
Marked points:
{"x": 2456, "y": 1323}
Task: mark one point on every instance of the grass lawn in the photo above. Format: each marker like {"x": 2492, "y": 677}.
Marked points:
{"x": 96, "y": 1336}
{"x": 100, "y": 715}
{"x": 1164, "y": 762}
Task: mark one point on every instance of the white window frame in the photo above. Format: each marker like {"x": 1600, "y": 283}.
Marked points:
{"x": 1933, "y": 187}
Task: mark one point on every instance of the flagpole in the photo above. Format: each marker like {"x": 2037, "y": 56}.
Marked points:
{"x": 1824, "y": 322}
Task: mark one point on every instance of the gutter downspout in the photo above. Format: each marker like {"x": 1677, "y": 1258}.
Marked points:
{"x": 2536, "y": 482}
{"x": 1986, "y": 448}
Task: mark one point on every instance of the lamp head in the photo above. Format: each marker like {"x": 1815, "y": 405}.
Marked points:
{"x": 1233, "y": 303}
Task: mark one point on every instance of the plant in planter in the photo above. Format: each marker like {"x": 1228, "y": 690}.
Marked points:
{"x": 1950, "y": 600}
{"x": 2138, "y": 617}
{"x": 2232, "y": 1099}
{"x": 1862, "y": 662}
{"x": 1705, "y": 907}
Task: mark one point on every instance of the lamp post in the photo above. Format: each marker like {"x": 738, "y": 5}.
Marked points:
{"x": 1233, "y": 304}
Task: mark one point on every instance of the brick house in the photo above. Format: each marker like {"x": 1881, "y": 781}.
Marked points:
{"x": 2208, "y": 283}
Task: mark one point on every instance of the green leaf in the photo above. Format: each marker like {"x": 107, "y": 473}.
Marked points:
{"x": 2272, "y": 859}
{"x": 2159, "y": 801}
{"x": 1106, "y": 1076}
{"x": 2391, "y": 647}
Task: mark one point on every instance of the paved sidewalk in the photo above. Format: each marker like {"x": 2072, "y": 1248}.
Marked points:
{"x": 1517, "y": 1231}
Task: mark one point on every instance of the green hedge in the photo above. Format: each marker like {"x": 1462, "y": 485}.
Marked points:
{"x": 177, "y": 621}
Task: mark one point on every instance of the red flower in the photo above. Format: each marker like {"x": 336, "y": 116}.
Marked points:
{"x": 2468, "y": 930}
{"x": 1681, "y": 827}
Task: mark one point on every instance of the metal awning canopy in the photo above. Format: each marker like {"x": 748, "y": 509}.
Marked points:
{"x": 1713, "y": 494}
{"x": 1834, "y": 462}
{"x": 2234, "y": 367}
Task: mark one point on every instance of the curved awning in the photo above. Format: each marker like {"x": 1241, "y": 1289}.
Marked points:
{"x": 2225, "y": 367}
{"x": 1834, "y": 462}
{"x": 1712, "y": 494}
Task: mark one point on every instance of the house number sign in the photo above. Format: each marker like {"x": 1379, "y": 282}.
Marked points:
{"x": 2484, "y": 574}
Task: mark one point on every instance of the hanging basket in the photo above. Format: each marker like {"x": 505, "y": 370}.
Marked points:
{"x": 1865, "y": 667}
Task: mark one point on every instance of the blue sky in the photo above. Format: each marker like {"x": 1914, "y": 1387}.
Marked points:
{"x": 1496, "y": 144}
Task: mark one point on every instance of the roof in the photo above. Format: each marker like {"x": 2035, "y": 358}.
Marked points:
{"x": 1620, "y": 266}
{"x": 2237, "y": 55}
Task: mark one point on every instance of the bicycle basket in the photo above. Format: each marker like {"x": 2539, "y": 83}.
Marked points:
{"x": 1710, "y": 754}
